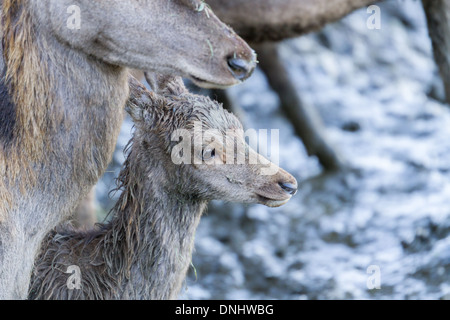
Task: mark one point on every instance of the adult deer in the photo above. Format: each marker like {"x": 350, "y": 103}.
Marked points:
{"x": 265, "y": 22}
{"x": 145, "y": 250}
{"x": 63, "y": 87}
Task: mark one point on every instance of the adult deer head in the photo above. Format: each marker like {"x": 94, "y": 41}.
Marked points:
{"x": 181, "y": 37}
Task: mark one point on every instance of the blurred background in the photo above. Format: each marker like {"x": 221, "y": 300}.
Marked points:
{"x": 381, "y": 99}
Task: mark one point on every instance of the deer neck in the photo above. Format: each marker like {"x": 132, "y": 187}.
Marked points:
{"x": 158, "y": 229}
{"x": 66, "y": 107}
{"x": 63, "y": 115}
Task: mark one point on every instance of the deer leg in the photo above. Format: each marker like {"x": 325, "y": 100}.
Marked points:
{"x": 438, "y": 17}
{"x": 305, "y": 119}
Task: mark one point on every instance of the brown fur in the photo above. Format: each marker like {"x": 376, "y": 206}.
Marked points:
{"x": 29, "y": 89}
{"x": 274, "y": 20}
{"x": 145, "y": 251}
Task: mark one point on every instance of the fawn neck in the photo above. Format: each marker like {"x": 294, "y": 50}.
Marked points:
{"x": 158, "y": 229}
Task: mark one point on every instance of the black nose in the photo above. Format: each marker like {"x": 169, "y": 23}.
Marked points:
{"x": 289, "y": 188}
{"x": 240, "y": 68}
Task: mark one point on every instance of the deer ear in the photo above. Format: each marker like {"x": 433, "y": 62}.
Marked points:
{"x": 165, "y": 85}
{"x": 141, "y": 102}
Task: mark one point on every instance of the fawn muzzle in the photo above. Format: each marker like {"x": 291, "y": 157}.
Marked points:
{"x": 289, "y": 188}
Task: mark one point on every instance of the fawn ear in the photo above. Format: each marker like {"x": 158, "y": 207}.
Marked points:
{"x": 141, "y": 102}
{"x": 165, "y": 85}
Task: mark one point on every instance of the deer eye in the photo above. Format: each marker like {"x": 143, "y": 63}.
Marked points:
{"x": 208, "y": 154}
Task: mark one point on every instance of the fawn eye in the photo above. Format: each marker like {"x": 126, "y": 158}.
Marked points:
{"x": 208, "y": 154}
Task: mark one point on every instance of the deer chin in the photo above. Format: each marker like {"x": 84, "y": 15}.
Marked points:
{"x": 211, "y": 85}
{"x": 272, "y": 203}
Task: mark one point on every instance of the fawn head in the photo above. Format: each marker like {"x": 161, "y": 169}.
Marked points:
{"x": 200, "y": 149}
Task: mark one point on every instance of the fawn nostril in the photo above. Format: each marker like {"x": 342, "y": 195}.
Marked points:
{"x": 240, "y": 68}
{"x": 289, "y": 188}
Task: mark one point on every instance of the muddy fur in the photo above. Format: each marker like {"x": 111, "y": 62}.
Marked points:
{"x": 145, "y": 250}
